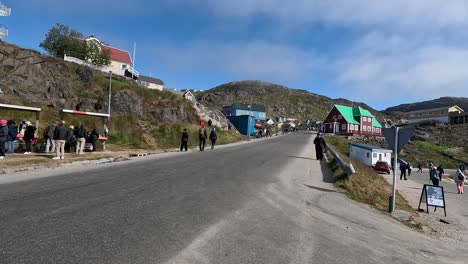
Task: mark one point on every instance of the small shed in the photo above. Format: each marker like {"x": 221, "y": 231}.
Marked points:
{"x": 369, "y": 155}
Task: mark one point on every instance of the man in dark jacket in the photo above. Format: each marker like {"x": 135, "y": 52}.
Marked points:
{"x": 3, "y": 136}
{"x": 403, "y": 171}
{"x": 441, "y": 171}
{"x": 320, "y": 146}
{"x": 98, "y": 106}
{"x": 49, "y": 137}
{"x": 213, "y": 137}
{"x": 94, "y": 137}
{"x": 184, "y": 140}
{"x": 11, "y": 137}
{"x": 61, "y": 134}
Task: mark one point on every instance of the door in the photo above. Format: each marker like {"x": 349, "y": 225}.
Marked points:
{"x": 380, "y": 157}
{"x": 336, "y": 129}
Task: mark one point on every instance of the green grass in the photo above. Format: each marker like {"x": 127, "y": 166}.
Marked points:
{"x": 339, "y": 143}
{"x": 420, "y": 152}
{"x": 169, "y": 136}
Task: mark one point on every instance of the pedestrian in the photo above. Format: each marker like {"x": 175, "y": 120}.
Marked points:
{"x": 49, "y": 137}
{"x": 29, "y": 136}
{"x": 419, "y": 168}
{"x": 210, "y": 123}
{"x": 459, "y": 180}
{"x": 202, "y": 137}
{"x": 94, "y": 137}
{"x": 98, "y": 106}
{"x": 434, "y": 176}
{"x": 409, "y": 168}
{"x": 462, "y": 167}
{"x": 229, "y": 126}
{"x": 184, "y": 140}
{"x": 78, "y": 105}
{"x": 213, "y": 137}
{"x": 80, "y": 139}
{"x": 61, "y": 134}
{"x": 403, "y": 171}
{"x": 71, "y": 139}
{"x": 320, "y": 146}
{"x": 12, "y": 133}
{"x": 441, "y": 171}
{"x": 3, "y": 137}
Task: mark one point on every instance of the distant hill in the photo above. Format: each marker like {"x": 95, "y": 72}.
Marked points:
{"x": 441, "y": 102}
{"x": 278, "y": 99}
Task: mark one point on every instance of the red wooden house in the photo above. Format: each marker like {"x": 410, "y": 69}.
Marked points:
{"x": 345, "y": 120}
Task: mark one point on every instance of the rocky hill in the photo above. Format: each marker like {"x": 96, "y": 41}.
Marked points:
{"x": 29, "y": 78}
{"x": 440, "y": 102}
{"x": 278, "y": 100}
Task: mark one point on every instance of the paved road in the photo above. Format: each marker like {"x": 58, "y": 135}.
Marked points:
{"x": 265, "y": 202}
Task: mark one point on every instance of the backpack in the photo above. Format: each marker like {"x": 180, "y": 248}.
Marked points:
{"x": 434, "y": 175}
{"x": 461, "y": 177}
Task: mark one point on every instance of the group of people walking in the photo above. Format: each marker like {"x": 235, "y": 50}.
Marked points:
{"x": 202, "y": 137}
{"x": 58, "y": 138}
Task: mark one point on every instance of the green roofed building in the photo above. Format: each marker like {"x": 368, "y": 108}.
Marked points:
{"x": 345, "y": 120}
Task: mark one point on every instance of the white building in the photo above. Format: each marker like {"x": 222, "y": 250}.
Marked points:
{"x": 440, "y": 114}
{"x": 369, "y": 155}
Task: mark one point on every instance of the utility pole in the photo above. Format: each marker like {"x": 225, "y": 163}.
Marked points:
{"x": 110, "y": 93}
{"x": 395, "y": 162}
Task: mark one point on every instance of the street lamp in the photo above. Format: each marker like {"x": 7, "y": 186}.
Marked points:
{"x": 250, "y": 116}
{"x": 110, "y": 92}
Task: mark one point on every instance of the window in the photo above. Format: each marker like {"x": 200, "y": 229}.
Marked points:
{"x": 368, "y": 155}
{"x": 364, "y": 119}
{"x": 351, "y": 127}
{"x": 334, "y": 117}
{"x": 369, "y": 129}
{"x": 124, "y": 66}
{"x": 374, "y": 155}
{"x": 340, "y": 117}
{"x": 343, "y": 127}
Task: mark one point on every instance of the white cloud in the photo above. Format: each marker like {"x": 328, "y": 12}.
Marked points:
{"x": 252, "y": 60}
{"x": 400, "y": 13}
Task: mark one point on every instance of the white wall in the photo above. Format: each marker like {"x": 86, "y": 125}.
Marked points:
{"x": 360, "y": 155}
{"x": 385, "y": 157}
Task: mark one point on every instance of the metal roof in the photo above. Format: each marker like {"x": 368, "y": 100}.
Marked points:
{"x": 150, "y": 80}
{"x": 371, "y": 148}
{"x": 258, "y": 108}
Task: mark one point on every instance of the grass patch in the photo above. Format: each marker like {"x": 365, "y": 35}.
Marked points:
{"x": 420, "y": 152}
{"x": 340, "y": 144}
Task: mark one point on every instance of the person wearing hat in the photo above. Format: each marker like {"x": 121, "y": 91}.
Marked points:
{"x": 3, "y": 136}
{"x": 320, "y": 146}
{"x": 29, "y": 136}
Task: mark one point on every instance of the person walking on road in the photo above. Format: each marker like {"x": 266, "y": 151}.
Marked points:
{"x": 12, "y": 133}
{"x": 184, "y": 140}
{"x": 409, "y": 168}
{"x": 419, "y": 168}
{"x": 3, "y": 137}
{"x": 29, "y": 136}
{"x": 213, "y": 137}
{"x": 459, "y": 180}
{"x": 441, "y": 171}
{"x": 320, "y": 146}
{"x": 61, "y": 134}
{"x": 202, "y": 137}
{"x": 49, "y": 137}
{"x": 80, "y": 139}
{"x": 403, "y": 171}
{"x": 434, "y": 176}
{"x": 462, "y": 167}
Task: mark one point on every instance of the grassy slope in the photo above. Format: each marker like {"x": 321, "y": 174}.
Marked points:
{"x": 365, "y": 186}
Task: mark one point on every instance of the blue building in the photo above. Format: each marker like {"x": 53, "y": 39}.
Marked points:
{"x": 258, "y": 112}
{"x": 243, "y": 124}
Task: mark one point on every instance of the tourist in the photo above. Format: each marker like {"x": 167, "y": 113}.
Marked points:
{"x": 11, "y": 137}
{"x": 320, "y": 146}
{"x": 60, "y": 136}
{"x": 459, "y": 180}
{"x": 29, "y": 136}
{"x": 49, "y": 137}
{"x": 184, "y": 140}
{"x": 3, "y": 137}
{"x": 202, "y": 137}
{"x": 213, "y": 137}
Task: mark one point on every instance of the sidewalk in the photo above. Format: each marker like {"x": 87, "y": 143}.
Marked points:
{"x": 457, "y": 229}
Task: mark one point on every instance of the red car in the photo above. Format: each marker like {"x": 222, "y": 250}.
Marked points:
{"x": 382, "y": 166}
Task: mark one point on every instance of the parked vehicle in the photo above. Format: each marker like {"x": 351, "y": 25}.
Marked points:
{"x": 382, "y": 166}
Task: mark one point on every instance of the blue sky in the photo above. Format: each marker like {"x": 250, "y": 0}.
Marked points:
{"x": 380, "y": 52}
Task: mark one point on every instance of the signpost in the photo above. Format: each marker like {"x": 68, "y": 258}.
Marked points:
{"x": 434, "y": 196}
{"x": 396, "y": 138}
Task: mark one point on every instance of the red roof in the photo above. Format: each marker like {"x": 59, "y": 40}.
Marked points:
{"x": 118, "y": 55}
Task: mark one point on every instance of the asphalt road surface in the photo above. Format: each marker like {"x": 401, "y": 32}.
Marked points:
{"x": 264, "y": 202}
